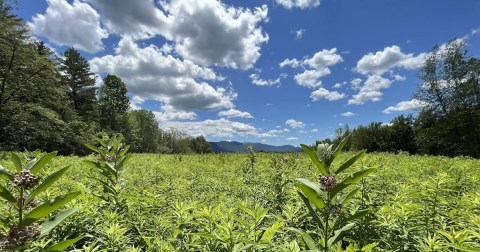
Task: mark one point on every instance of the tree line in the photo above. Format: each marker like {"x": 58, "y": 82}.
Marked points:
{"x": 52, "y": 103}
{"x": 447, "y": 124}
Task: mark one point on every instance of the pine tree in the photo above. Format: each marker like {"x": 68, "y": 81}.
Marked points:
{"x": 113, "y": 102}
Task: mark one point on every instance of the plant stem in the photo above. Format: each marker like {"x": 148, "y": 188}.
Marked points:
{"x": 20, "y": 209}
{"x": 326, "y": 222}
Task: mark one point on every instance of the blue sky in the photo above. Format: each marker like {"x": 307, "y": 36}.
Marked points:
{"x": 275, "y": 71}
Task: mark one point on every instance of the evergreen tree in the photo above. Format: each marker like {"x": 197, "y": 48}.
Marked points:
{"x": 113, "y": 102}
{"x": 82, "y": 92}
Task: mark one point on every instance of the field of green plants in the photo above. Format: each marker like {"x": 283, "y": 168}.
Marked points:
{"x": 250, "y": 202}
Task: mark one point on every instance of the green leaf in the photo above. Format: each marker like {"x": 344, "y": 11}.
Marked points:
{"x": 354, "y": 178}
{"x": 6, "y": 173}
{"x": 125, "y": 149}
{"x": 341, "y": 145}
{"x": 63, "y": 244}
{"x": 337, "y": 235}
{"x": 349, "y": 196}
{"x": 48, "y": 207}
{"x": 307, "y": 239}
{"x": 313, "y": 156}
{"x": 123, "y": 161}
{"x": 93, "y": 148}
{"x": 46, "y": 184}
{"x": 6, "y": 194}
{"x": 357, "y": 215}
{"x": 313, "y": 213}
{"x": 41, "y": 162}
{"x": 17, "y": 162}
{"x": 311, "y": 191}
{"x": 349, "y": 162}
{"x": 50, "y": 224}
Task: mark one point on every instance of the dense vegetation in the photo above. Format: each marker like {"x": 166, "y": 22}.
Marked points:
{"x": 51, "y": 102}
{"x": 249, "y": 202}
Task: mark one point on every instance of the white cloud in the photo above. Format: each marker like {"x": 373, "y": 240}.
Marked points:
{"x": 347, "y": 114}
{"x": 299, "y": 33}
{"x": 135, "y": 102}
{"x": 356, "y": 83}
{"x": 216, "y": 128}
{"x": 314, "y": 130}
{"x": 261, "y": 82}
{"x": 311, "y": 78}
{"x": 169, "y": 113}
{"x": 206, "y": 32}
{"x": 234, "y": 113}
{"x": 211, "y": 33}
{"x": 317, "y": 67}
{"x": 76, "y": 25}
{"x": 291, "y": 138}
{"x": 152, "y": 75}
{"x": 302, "y": 4}
{"x": 295, "y": 124}
{"x": 339, "y": 85}
{"x": 370, "y": 91}
{"x": 322, "y": 93}
{"x": 405, "y": 105}
{"x": 294, "y": 63}
{"x": 389, "y": 58}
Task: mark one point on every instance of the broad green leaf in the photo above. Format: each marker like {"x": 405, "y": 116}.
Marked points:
{"x": 313, "y": 156}
{"x": 313, "y": 213}
{"x": 337, "y": 235}
{"x": 93, "y": 148}
{"x": 63, "y": 244}
{"x": 341, "y": 145}
{"x": 349, "y": 196}
{"x": 48, "y": 207}
{"x": 125, "y": 149}
{"x": 354, "y": 178}
{"x": 41, "y": 162}
{"x": 17, "y": 162}
{"x": 50, "y": 224}
{"x": 46, "y": 184}
{"x": 123, "y": 161}
{"x": 6, "y": 194}
{"x": 311, "y": 191}
{"x": 6, "y": 173}
{"x": 349, "y": 162}
{"x": 307, "y": 239}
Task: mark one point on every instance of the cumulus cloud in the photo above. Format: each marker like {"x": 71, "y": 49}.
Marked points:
{"x": 294, "y": 124}
{"x": 347, "y": 114}
{"x": 323, "y": 93}
{"x": 168, "y": 113}
{"x": 302, "y": 4}
{"x": 76, "y": 24}
{"x": 390, "y": 57}
{"x": 316, "y": 67}
{"x": 211, "y": 33}
{"x": 150, "y": 74}
{"x": 405, "y": 105}
{"x": 314, "y": 130}
{"x": 216, "y": 128}
{"x": 370, "y": 91}
{"x": 292, "y": 138}
{"x": 356, "y": 83}
{"x": 234, "y": 113}
{"x": 270, "y": 82}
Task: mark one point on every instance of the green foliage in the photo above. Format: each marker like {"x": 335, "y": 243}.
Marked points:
{"x": 22, "y": 224}
{"x": 113, "y": 102}
{"x": 327, "y": 199}
{"x": 111, "y": 158}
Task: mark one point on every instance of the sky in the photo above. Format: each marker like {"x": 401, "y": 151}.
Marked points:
{"x": 271, "y": 71}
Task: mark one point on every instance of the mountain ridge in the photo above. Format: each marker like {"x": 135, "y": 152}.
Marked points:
{"x": 233, "y": 146}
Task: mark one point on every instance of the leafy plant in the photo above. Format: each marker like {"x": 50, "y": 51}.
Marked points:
{"x": 112, "y": 156}
{"x": 327, "y": 199}
{"x": 26, "y": 211}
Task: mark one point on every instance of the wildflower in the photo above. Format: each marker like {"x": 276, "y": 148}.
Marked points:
{"x": 328, "y": 182}
{"x": 335, "y": 209}
{"x": 26, "y": 180}
{"x": 19, "y": 237}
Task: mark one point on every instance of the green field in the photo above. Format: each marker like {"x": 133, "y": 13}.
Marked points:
{"x": 210, "y": 203}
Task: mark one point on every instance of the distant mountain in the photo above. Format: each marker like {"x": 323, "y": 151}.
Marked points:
{"x": 226, "y": 146}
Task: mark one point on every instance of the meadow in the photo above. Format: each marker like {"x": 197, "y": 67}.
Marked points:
{"x": 217, "y": 202}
